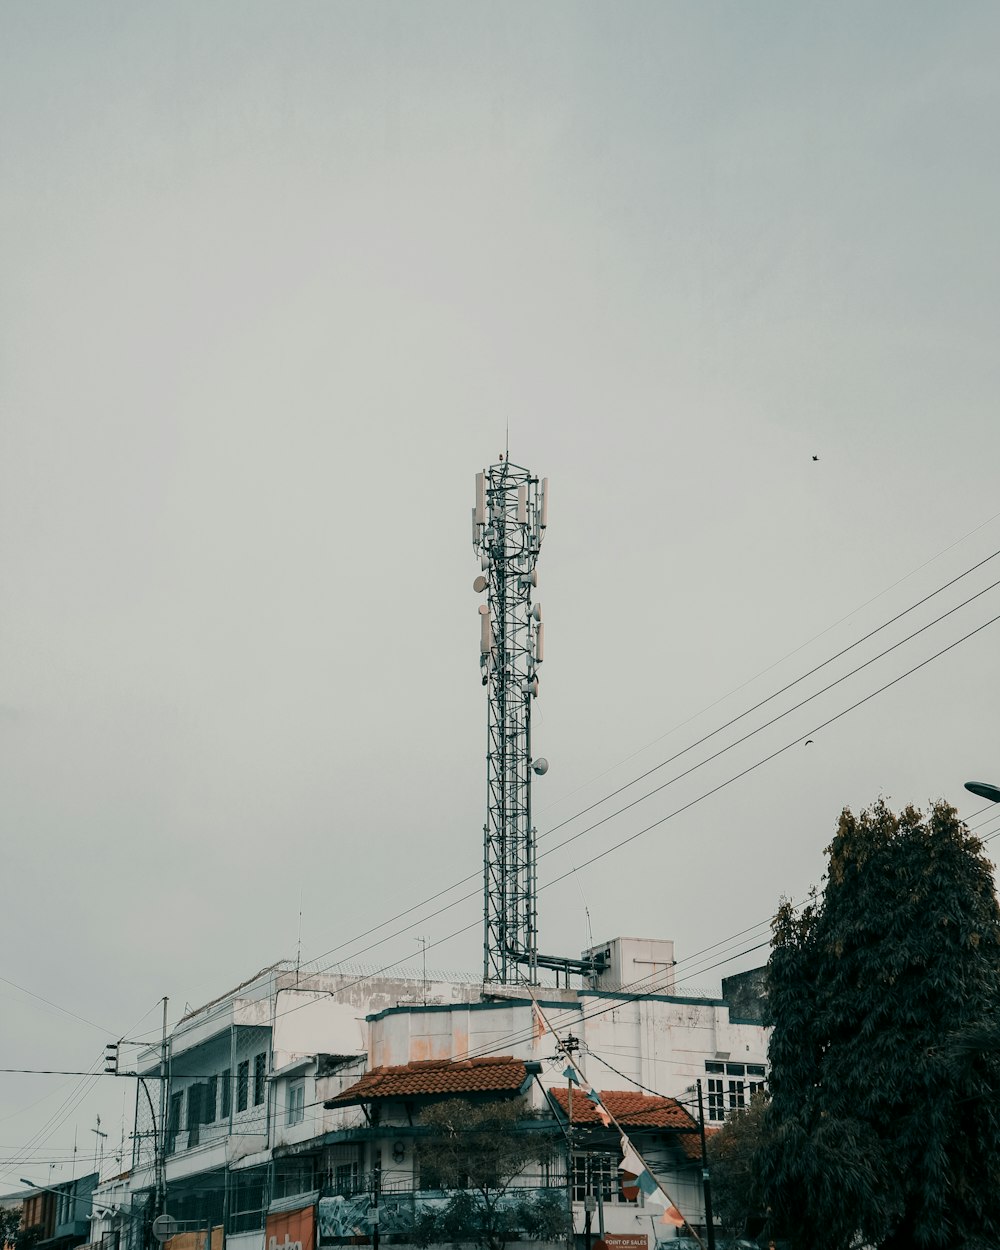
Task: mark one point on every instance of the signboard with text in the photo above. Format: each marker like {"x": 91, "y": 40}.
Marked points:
{"x": 291, "y": 1230}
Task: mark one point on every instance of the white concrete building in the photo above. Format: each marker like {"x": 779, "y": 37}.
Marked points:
{"x": 275, "y": 1136}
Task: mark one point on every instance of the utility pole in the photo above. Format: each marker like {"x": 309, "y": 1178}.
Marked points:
{"x": 98, "y": 1146}
{"x": 570, "y": 1046}
{"x": 160, "y": 1138}
{"x": 589, "y": 1206}
{"x": 706, "y": 1180}
{"x": 374, "y": 1212}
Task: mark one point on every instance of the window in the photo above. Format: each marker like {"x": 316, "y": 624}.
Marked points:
{"x": 735, "y": 1091}
{"x": 209, "y": 1100}
{"x": 296, "y": 1102}
{"x": 291, "y": 1177}
{"x": 345, "y": 1178}
{"x": 259, "y": 1071}
{"x": 173, "y": 1122}
{"x": 227, "y": 1092}
{"x": 242, "y": 1085}
{"x": 598, "y": 1175}
{"x": 246, "y": 1210}
{"x": 716, "y": 1099}
{"x": 194, "y": 1113}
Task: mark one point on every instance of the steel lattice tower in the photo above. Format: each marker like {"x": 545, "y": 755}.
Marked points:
{"x": 508, "y": 525}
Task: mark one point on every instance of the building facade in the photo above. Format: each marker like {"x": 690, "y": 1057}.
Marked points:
{"x": 277, "y": 1134}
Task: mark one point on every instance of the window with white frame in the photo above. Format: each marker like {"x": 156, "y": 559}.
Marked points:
{"x": 731, "y": 1086}
{"x": 599, "y": 1175}
{"x": 296, "y": 1108}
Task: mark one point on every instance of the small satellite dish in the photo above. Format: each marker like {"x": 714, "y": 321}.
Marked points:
{"x": 540, "y": 766}
{"x": 484, "y": 610}
{"x": 536, "y": 611}
{"x": 479, "y": 585}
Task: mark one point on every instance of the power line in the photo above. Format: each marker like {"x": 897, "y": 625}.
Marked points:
{"x": 474, "y": 876}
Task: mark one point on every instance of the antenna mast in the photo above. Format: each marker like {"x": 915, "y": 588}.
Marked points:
{"x": 508, "y": 525}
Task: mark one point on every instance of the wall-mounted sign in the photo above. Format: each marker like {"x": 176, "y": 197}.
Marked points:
{"x": 291, "y": 1230}
{"x": 626, "y": 1241}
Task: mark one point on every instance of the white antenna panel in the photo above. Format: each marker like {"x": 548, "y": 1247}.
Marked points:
{"x": 544, "y": 520}
{"x": 522, "y": 505}
{"x": 485, "y": 633}
{"x": 540, "y": 644}
{"x": 480, "y": 509}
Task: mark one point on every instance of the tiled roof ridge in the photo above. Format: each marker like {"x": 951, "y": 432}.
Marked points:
{"x": 496, "y": 1074}
{"x": 630, "y": 1107}
{"x": 427, "y": 1065}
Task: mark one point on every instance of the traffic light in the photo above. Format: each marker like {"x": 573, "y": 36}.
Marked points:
{"x": 111, "y": 1058}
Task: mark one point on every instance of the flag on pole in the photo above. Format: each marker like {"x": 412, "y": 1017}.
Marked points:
{"x": 630, "y": 1160}
{"x": 647, "y": 1184}
{"x": 541, "y": 1028}
{"x": 569, "y": 1072}
{"x": 672, "y": 1217}
{"x": 602, "y": 1115}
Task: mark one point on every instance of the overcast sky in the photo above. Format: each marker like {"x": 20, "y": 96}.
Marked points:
{"x": 275, "y": 278}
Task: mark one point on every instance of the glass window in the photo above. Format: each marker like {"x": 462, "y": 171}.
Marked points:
{"x": 173, "y": 1122}
{"x": 227, "y": 1092}
{"x": 194, "y": 1113}
{"x": 209, "y": 1100}
{"x": 242, "y": 1085}
{"x": 345, "y": 1178}
{"x": 755, "y": 1069}
{"x": 296, "y": 1102}
{"x": 246, "y": 1210}
{"x": 259, "y": 1072}
{"x": 714, "y": 1067}
{"x": 716, "y": 1099}
{"x": 736, "y": 1069}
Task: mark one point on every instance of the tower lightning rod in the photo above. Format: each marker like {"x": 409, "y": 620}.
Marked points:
{"x": 509, "y": 519}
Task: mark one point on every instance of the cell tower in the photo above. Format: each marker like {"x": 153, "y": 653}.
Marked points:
{"x": 508, "y": 525}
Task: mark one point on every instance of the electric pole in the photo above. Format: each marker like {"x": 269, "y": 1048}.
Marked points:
{"x": 706, "y": 1180}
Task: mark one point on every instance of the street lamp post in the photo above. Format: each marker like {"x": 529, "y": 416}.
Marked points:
{"x": 984, "y": 790}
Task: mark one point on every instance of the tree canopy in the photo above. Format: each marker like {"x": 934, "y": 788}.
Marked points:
{"x": 477, "y": 1149}
{"x": 883, "y": 1124}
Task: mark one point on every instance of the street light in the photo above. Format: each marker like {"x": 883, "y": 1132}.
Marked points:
{"x": 984, "y": 790}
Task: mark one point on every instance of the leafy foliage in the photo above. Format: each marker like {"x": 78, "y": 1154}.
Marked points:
{"x": 478, "y": 1149}
{"x": 883, "y": 1126}
{"x": 10, "y": 1224}
{"x": 27, "y": 1238}
{"x": 736, "y": 1194}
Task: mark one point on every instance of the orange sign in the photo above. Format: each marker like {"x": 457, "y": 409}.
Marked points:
{"x": 292, "y": 1230}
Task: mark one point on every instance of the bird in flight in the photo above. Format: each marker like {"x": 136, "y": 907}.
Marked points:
{"x": 808, "y": 742}
{"x": 815, "y": 457}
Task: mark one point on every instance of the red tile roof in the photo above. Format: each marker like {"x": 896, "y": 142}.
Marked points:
{"x": 501, "y": 1074}
{"x": 634, "y": 1110}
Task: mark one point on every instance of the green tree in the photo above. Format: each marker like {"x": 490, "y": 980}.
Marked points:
{"x": 10, "y": 1224}
{"x": 478, "y": 1149}
{"x": 28, "y": 1238}
{"x": 883, "y": 1126}
{"x": 737, "y": 1199}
